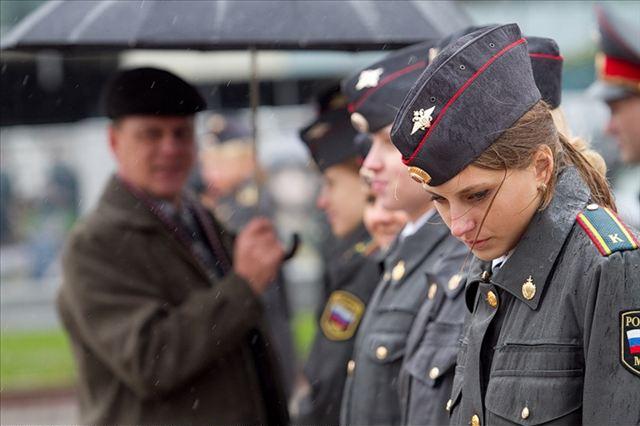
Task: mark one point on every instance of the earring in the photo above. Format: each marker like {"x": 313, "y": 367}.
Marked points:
{"x": 542, "y": 187}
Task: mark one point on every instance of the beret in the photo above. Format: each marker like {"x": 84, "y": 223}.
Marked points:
{"x": 150, "y": 91}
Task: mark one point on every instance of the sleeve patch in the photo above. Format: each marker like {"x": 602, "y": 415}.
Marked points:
{"x": 606, "y": 230}
{"x": 341, "y": 315}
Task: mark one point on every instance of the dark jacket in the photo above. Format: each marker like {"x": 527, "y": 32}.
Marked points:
{"x": 427, "y": 372}
{"x": 546, "y": 340}
{"x": 371, "y": 391}
{"x": 155, "y": 339}
{"x": 353, "y": 273}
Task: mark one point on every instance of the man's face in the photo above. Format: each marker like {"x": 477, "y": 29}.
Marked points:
{"x": 390, "y": 180}
{"x": 342, "y": 197}
{"x": 624, "y": 125}
{"x": 154, "y": 154}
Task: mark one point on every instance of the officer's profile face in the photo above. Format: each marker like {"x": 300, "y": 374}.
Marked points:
{"x": 154, "y": 154}
{"x": 464, "y": 200}
{"x": 390, "y": 181}
{"x": 342, "y": 198}
{"x": 624, "y": 126}
{"x": 225, "y": 167}
{"x": 383, "y": 224}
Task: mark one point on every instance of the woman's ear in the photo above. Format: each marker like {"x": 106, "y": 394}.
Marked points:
{"x": 543, "y": 164}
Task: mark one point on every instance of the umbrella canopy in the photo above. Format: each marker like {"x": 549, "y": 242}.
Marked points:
{"x": 226, "y": 24}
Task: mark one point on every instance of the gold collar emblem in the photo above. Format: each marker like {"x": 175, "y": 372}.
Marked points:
{"x": 422, "y": 119}
{"x": 529, "y": 288}
{"x": 369, "y": 78}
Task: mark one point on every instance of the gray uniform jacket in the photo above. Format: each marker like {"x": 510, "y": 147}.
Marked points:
{"x": 546, "y": 341}
{"x": 371, "y": 391}
{"x": 432, "y": 346}
{"x": 352, "y": 274}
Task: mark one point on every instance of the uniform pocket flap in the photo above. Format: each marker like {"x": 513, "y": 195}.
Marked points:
{"x": 430, "y": 363}
{"x": 385, "y": 347}
{"x": 533, "y": 400}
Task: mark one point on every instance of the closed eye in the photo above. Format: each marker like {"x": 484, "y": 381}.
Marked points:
{"x": 479, "y": 196}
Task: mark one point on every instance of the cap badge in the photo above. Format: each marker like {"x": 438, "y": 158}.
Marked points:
{"x": 419, "y": 175}
{"x": 369, "y": 78}
{"x": 422, "y": 119}
{"x": 318, "y": 131}
{"x": 529, "y": 288}
{"x": 359, "y": 122}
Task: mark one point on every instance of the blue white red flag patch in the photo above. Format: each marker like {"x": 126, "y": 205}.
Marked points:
{"x": 341, "y": 315}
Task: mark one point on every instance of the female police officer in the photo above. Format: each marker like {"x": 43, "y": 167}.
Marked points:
{"x": 555, "y": 287}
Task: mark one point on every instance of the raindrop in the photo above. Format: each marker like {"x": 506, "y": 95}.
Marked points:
{"x": 195, "y": 404}
{"x": 153, "y": 84}
{"x": 25, "y": 80}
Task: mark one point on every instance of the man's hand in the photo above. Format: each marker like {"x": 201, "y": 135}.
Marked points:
{"x": 257, "y": 254}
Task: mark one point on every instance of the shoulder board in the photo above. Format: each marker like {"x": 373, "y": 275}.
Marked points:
{"x": 606, "y": 230}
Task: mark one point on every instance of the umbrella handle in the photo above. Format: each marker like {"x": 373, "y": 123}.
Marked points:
{"x": 293, "y": 248}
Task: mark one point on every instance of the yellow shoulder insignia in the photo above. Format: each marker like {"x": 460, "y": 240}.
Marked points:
{"x": 606, "y": 230}
{"x": 341, "y": 315}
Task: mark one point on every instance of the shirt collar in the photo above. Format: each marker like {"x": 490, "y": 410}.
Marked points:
{"x": 412, "y": 227}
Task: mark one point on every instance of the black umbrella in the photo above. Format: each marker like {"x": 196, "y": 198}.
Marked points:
{"x": 226, "y": 24}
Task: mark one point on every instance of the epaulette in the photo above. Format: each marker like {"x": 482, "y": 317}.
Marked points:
{"x": 606, "y": 230}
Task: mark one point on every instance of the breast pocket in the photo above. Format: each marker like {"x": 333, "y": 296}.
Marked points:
{"x": 431, "y": 370}
{"x": 534, "y": 384}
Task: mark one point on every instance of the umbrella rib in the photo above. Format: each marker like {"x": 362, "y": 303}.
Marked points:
{"x": 32, "y": 19}
{"x": 90, "y": 19}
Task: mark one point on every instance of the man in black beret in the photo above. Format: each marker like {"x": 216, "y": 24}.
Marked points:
{"x": 162, "y": 308}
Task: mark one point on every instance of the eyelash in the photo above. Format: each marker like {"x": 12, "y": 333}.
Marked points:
{"x": 478, "y": 196}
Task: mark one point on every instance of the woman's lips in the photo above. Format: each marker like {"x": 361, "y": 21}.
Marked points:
{"x": 479, "y": 243}
{"x": 378, "y": 186}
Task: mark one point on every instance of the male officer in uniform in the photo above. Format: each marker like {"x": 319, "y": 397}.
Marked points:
{"x": 352, "y": 272}
{"x": 424, "y": 244}
{"x": 163, "y": 310}
{"x": 230, "y": 177}
{"x": 618, "y": 69}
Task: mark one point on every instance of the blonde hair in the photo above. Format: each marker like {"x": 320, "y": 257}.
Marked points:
{"x": 515, "y": 148}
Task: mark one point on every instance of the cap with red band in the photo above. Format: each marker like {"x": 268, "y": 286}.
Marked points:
{"x": 474, "y": 89}
{"x": 376, "y": 92}
{"x": 618, "y": 62}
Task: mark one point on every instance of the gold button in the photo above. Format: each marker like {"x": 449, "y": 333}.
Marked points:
{"x": 434, "y": 373}
{"x": 433, "y": 289}
{"x": 454, "y": 281}
{"x": 448, "y": 406}
{"x": 351, "y": 366}
{"x": 486, "y": 275}
{"x": 592, "y": 207}
{"x": 525, "y": 413}
{"x": 492, "y": 299}
{"x": 475, "y": 420}
{"x": 381, "y": 352}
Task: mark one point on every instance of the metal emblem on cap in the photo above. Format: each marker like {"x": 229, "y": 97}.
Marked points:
{"x": 422, "y": 119}
{"x": 369, "y": 78}
{"x": 359, "y": 122}
{"x": 419, "y": 175}
{"x": 529, "y": 288}
{"x": 318, "y": 131}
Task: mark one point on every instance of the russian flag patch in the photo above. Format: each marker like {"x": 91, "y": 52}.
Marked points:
{"x": 630, "y": 340}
